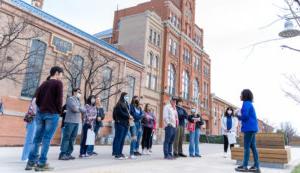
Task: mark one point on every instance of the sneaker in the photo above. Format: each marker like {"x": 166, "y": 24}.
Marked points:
{"x": 175, "y": 155}
{"x": 198, "y": 155}
{"x": 169, "y": 158}
{"x": 225, "y": 155}
{"x": 137, "y": 153}
{"x": 182, "y": 155}
{"x": 30, "y": 166}
{"x": 143, "y": 152}
{"x": 241, "y": 169}
{"x": 192, "y": 156}
{"x": 72, "y": 157}
{"x": 132, "y": 157}
{"x": 84, "y": 155}
{"x": 45, "y": 167}
{"x": 150, "y": 151}
{"x": 124, "y": 156}
{"x": 254, "y": 169}
{"x": 95, "y": 154}
{"x": 64, "y": 157}
{"x": 119, "y": 158}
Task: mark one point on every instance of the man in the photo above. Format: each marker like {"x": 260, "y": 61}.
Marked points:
{"x": 170, "y": 118}
{"x": 71, "y": 124}
{"x": 49, "y": 98}
{"x": 179, "y": 137}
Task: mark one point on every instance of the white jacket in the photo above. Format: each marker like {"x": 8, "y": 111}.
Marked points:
{"x": 170, "y": 115}
{"x": 235, "y": 124}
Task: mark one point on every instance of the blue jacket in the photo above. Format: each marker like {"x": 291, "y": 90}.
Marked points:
{"x": 248, "y": 118}
{"x": 182, "y": 115}
{"x": 136, "y": 116}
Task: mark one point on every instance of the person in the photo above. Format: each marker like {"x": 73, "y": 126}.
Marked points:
{"x": 179, "y": 137}
{"x": 1, "y": 106}
{"x": 148, "y": 122}
{"x": 63, "y": 116}
{"x": 229, "y": 127}
{"x": 247, "y": 116}
{"x": 194, "y": 126}
{"x": 89, "y": 119}
{"x": 121, "y": 118}
{"x": 30, "y": 129}
{"x": 98, "y": 124}
{"x": 153, "y": 133}
{"x": 49, "y": 98}
{"x": 137, "y": 113}
{"x": 170, "y": 118}
{"x": 71, "y": 125}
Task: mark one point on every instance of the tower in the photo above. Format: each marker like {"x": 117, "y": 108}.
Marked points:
{"x": 37, "y": 3}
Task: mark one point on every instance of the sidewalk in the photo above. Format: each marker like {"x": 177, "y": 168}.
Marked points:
{"x": 212, "y": 162}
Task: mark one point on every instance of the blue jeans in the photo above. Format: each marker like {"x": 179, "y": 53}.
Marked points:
{"x": 169, "y": 139}
{"x": 90, "y": 148}
{"x": 30, "y": 131}
{"x": 46, "y": 125}
{"x": 194, "y": 143}
{"x": 121, "y": 131}
{"x": 250, "y": 142}
{"x": 69, "y": 136}
{"x": 135, "y": 144}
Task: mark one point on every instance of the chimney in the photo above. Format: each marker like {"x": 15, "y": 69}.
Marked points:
{"x": 37, "y": 3}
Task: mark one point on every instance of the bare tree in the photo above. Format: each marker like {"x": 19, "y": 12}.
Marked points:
{"x": 97, "y": 72}
{"x": 15, "y": 34}
{"x": 294, "y": 88}
{"x": 288, "y": 130}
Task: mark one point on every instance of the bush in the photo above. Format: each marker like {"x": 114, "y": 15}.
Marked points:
{"x": 208, "y": 139}
{"x": 297, "y": 169}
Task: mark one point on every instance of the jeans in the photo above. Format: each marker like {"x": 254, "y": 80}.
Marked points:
{"x": 147, "y": 132}
{"x": 30, "y": 131}
{"x": 46, "y": 125}
{"x": 169, "y": 139}
{"x": 121, "y": 131}
{"x": 90, "y": 148}
{"x": 135, "y": 144}
{"x": 68, "y": 139}
{"x": 194, "y": 143}
{"x": 250, "y": 142}
{"x": 226, "y": 144}
{"x": 179, "y": 137}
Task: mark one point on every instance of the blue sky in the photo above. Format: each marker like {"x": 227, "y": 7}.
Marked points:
{"x": 229, "y": 27}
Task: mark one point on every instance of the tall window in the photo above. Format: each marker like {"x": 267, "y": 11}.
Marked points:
{"x": 34, "y": 70}
{"x": 153, "y": 82}
{"x": 185, "y": 85}
{"x": 155, "y": 62}
{"x": 173, "y": 47}
{"x": 131, "y": 86}
{"x": 158, "y": 39}
{"x": 150, "y": 35}
{"x": 186, "y": 56}
{"x": 171, "y": 79}
{"x": 151, "y": 57}
{"x": 154, "y": 37}
{"x": 106, "y": 78}
{"x": 195, "y": 90}
{"x": 76, "y": 71}
{"x": 197, "y": 64}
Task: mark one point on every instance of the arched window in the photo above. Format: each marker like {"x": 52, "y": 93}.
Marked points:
{"x": 151, "y": 56}
{"x": 131, "y": 86}
{"x": 185, "y": 85}
{"x": 34, "y": 68}
{"x": 196, "y": 90}
{"x": 155, "y": 62}
{"x": 171, "y": 79}
{"x": 106, "y": 81}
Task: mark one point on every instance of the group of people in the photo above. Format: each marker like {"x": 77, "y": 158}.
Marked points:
{"x": 129, "y": 119}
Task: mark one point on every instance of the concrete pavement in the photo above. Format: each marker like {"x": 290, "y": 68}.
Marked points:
{"x": 212, "y": 162}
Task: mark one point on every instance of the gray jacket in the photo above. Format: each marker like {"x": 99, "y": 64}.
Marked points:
{"x": 74, "y": 110}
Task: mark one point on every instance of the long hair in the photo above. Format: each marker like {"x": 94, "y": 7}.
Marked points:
{"x": 133, "y": 99}
{"x": 226, "y": 114}
{"x": 121, "y": 99}
{"x": 89, "y": 100}
{"x": 147, "y": 107}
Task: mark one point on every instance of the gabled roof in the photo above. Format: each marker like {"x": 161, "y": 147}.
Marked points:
{"x": 61, "y": 24}
{"x": 104, "y": 34}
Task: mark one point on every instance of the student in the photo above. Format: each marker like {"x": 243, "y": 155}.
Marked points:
{"x": 229, "y": 127}
{"x": 137, "y": 113}
{"x": 249, "y": 121}
{"x": 148, "y": 123}
{"x": 170, "y": 118}
{"x": 121, "y": 118}
{"x": 179, "y": 137}
{"x": 49, "y": 98}
{"x": 194, "y": 126}
{"x": 89, "y": 119}
{"x": 98, "y": 125}
{"x": 153, "y": 133}
{"x": 71, "y": 125}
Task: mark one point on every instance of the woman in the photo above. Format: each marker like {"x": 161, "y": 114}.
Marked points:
{"x": 148, "y": 122}
{"x": 194, "y": 127}
{"x": 30, "y": 129}
{"x": 249, "y": 121}
{"x": 229, "y": 127}
{"x": 89, "y": 119}
{"x": 121, "y": 117}
{"x": 98, "y": 124}
{"x": 137, "y": 113}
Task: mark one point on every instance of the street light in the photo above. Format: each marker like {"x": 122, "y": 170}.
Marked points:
{"x": 289, "y": 30}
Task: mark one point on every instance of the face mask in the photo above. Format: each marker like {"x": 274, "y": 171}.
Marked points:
{"x": 93, "y": 101}
{"x": 126, "y": 98}
{"x": 78, "y": 95}
{"x": 193, "y": 110}
{"x": 229, "y": 112}
{"x": 136, "y": 102}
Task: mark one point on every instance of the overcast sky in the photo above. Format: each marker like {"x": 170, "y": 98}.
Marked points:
{"x": 229, "y": 27}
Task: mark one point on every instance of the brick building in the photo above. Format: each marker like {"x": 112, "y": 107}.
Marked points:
{"x": 163, "y": 35}
{"x": 58, "y": 39}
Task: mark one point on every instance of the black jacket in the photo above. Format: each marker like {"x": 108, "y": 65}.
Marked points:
{"x": 182, "y": 115}
{"x": 121, "y": 113}
{"x": 101, "y": 114}
{"x": 199, "y": 123}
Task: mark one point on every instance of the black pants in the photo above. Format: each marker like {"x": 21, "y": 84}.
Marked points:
{"x": 83, "y": 146}
{"x": 146, "y": 137}
{"x": 151, "y": 140}
{"x": 226, "y": 143}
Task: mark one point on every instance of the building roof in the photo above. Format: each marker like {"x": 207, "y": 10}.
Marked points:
{"x": 59, "y": 23}
{"x": 104, "y": 34}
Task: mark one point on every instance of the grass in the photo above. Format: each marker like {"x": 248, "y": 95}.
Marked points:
{"x": 297, "y": 169}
